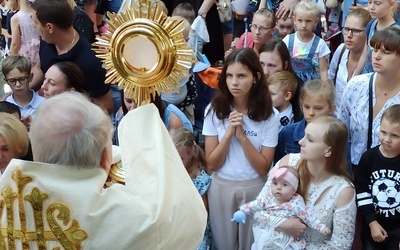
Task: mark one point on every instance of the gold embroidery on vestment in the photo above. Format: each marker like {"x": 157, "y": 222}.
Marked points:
{"x": 58, "y": 217}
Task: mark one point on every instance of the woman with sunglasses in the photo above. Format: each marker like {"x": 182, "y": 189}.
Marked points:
{"x": 347, "y": 55}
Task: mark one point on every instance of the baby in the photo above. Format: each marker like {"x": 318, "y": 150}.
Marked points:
{"x": 282, "y": 202}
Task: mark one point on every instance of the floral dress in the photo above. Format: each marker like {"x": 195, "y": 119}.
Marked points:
{"x": 202, "y": 182}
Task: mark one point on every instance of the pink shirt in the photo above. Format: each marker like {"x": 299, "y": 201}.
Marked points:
{"x": 250, "y": 41}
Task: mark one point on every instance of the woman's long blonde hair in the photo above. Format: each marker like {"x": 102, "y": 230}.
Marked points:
{"x": 336, "y": 137}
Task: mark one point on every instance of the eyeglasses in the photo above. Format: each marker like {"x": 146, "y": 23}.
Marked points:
{"x": 355, "y": 32}
{"x": 262, "y": 29}
{"x": 21, "y": 80}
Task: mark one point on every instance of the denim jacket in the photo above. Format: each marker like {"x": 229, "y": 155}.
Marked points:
{"x": 288, "y": 139}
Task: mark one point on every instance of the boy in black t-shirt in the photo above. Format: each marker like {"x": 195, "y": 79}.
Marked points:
{"x": 377, "y": 182}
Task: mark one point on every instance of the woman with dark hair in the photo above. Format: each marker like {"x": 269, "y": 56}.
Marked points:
{"x": 241, "y": 132}
{"x": 274, "y": 57}
{"x": 367, "y": 96}
{"x": 62, "y": 76}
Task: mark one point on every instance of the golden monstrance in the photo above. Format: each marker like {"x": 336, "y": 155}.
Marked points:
{"x": 145, "y": 53}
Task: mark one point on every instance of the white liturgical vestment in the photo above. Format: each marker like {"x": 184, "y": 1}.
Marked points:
{"x": 45, "y": 206}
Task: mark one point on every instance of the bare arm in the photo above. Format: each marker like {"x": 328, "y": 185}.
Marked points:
{"x": 38, "y": 77}
{"x": 345, "y": 197}
{"x": 105, "y": 102}
{"x": 5, "y": 33}
{"x": 263, "y": 4}
{"x": 15, "y": 36}
{"x": 323, "y": 68}
{"x": 216, "y": 151}
{"x": 344, "y": 219}
{"x": 206, "y": 6}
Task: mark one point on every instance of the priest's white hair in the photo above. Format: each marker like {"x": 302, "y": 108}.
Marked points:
{"x": 69, "y": 130}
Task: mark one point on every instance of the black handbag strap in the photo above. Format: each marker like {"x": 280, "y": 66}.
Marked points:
{"x": 338, "y": 63}
{"x": 369, "y": 141}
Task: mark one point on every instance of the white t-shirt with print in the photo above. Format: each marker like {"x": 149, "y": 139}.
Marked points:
{"x": 301, "y": 50}
{"x": 236, "y": 165}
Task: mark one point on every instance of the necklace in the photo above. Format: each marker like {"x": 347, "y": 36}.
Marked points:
{"x": 385, "y": 93}
{"x": 72, "y": 43}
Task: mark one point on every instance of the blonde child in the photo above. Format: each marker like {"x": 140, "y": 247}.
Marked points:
{"x": 282, "y": 86}
{"x": 25, "y": 38}
{"x": 382, "y": 13}
{"x": 194, "y": 160}
{"x": 317, "y": 98}
{"x": 308, "y": 51}
{"x": 282, "y": 201}
{"x": 284, "y": 27}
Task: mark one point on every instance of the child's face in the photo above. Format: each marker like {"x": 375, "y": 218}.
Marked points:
{"x": 380, "y": 8}
{"x": 312, "y": 145}
{"x": 389, "y": 136}
{"x": 285, "y": 26}
{"x": 18, "y": 82}
{"x": 280, "y": 98}
{"x": 305, "y": 22}
{"x": 239, "y": 80}
{"x": 282, "y": 190}
{"x": 262, "y": 29}
{"x": 315, "y": 105}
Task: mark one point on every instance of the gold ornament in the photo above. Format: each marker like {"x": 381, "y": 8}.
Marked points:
{"x": 144, "y": 51}
{"x": 52, "y": 222}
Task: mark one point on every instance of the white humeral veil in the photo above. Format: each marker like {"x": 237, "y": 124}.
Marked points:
{"x": 45, "y": 206}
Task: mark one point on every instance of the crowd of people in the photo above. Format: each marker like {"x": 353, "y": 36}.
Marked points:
{"x": 296, "y": 148}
